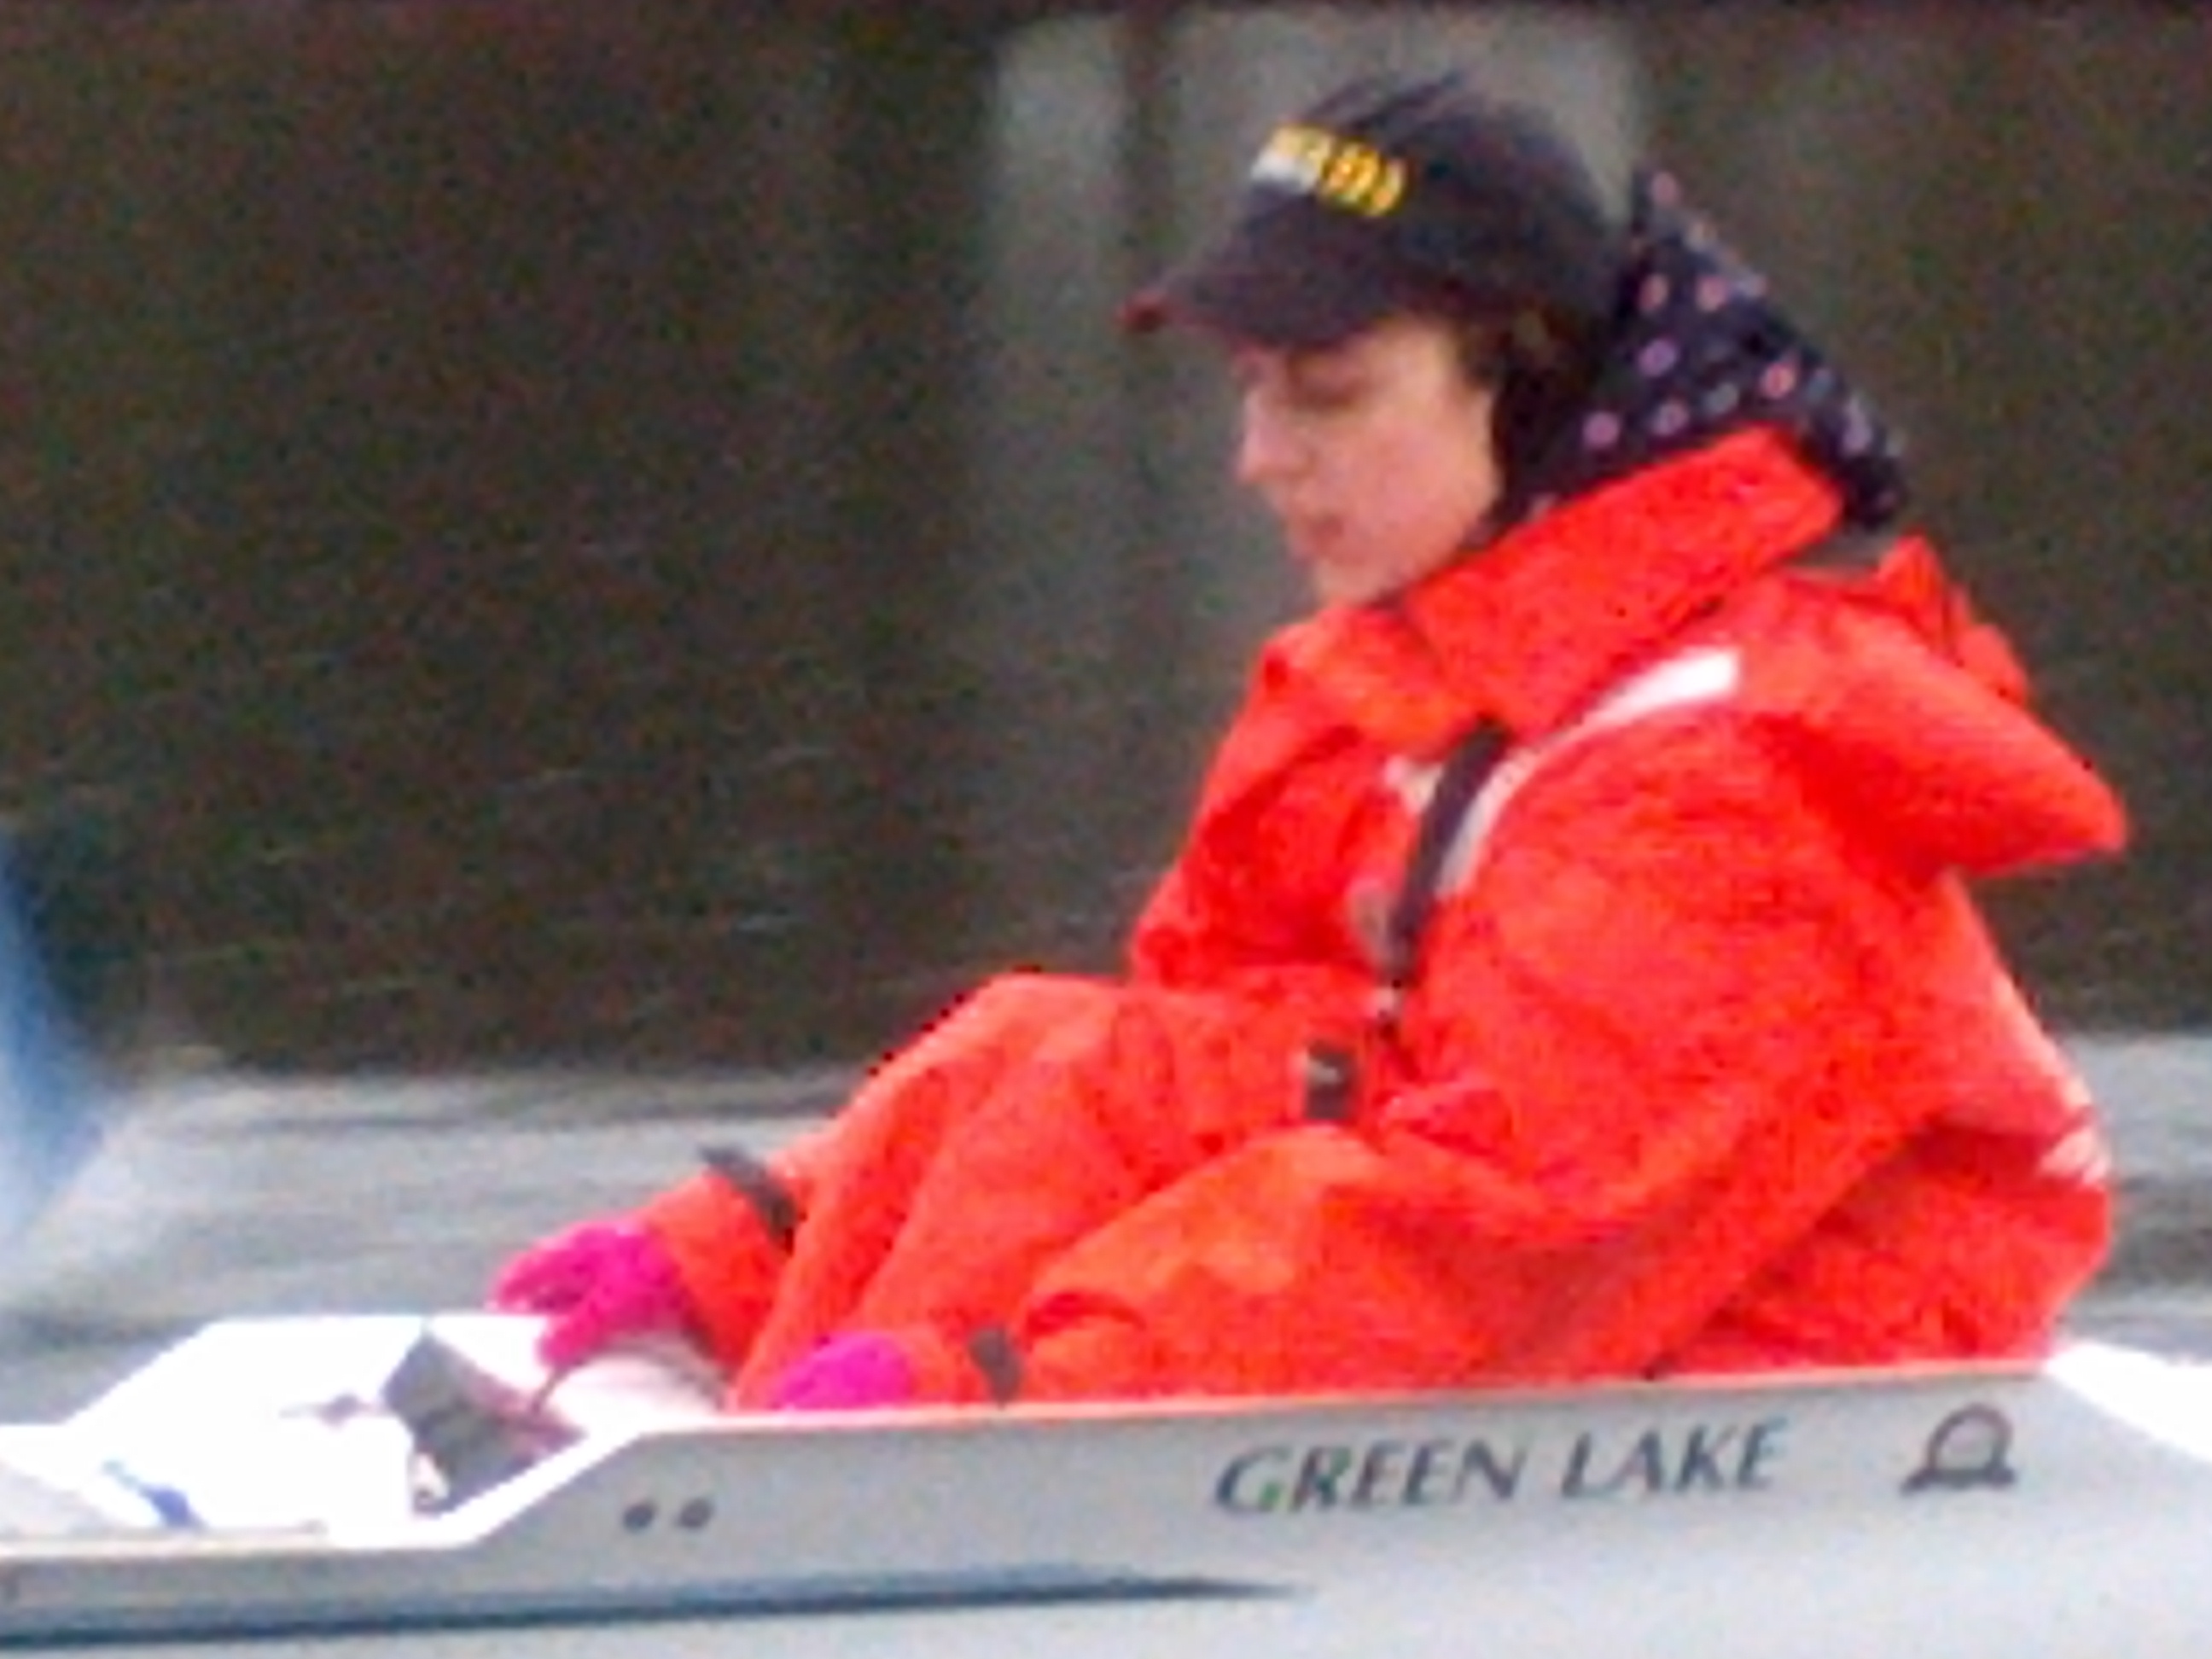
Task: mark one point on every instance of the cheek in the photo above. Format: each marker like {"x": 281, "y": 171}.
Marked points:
{"x": 1431, "y": 486}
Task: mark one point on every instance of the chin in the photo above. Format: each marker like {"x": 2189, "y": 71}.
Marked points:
{"x": 1348, "y": 590}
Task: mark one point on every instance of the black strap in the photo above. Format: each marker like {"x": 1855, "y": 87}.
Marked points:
{"x": 1465, "y": 770}
{"x": 1851, "y": 550}
{"x": 1330, "y": 1076}
{"x": 755, "y": 1182}
{"x": 993, "y": 1353}
{"x": 1329, "y": 1082}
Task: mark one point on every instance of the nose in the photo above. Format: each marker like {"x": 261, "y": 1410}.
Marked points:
{"x": 1267, "y": 449}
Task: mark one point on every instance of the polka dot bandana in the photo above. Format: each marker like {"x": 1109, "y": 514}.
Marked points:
{"x": 1700, "y": 351}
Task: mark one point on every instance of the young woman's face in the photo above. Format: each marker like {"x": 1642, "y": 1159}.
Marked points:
{"x": 1376, "y": 455}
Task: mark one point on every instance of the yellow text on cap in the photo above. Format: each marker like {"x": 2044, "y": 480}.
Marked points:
{"x": 1341, "y": 172}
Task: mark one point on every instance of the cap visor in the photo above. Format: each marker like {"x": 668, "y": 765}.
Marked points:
{"x": 1285, "y": 282}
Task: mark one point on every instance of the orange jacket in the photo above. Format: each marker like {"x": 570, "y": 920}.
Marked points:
{"x": 1709, "y": 1061}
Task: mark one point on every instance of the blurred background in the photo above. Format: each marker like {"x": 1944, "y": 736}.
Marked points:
{"x": 622, "y": 539}
{"x": 626, "y": 535}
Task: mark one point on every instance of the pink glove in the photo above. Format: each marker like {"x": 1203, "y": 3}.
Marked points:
{"x": 866, "y": 1371}
{"x": 600, "y": 1282}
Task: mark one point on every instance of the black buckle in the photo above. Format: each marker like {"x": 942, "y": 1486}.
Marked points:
{"x": 470, "y": 1432}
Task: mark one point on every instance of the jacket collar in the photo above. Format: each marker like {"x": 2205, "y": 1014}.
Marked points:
{"x": 1530, "y": 628}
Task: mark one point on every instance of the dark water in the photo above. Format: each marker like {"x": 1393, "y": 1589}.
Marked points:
{"x": 623, "y": 534}
{"x": 227, "y": 1198}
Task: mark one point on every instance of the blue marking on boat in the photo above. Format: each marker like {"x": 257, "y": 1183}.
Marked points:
{"x": 968, "y": 1591}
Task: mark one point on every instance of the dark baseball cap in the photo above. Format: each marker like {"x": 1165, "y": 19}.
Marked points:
{"x": 1393, "y": 194}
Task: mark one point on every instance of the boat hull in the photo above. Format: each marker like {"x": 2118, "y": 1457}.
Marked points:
{"x": 1946, "y": 1514}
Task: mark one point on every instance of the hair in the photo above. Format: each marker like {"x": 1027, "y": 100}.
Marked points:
{"x": 1541, "y": 363}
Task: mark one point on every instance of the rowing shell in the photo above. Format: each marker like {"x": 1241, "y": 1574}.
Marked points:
{"x": 328, "y": 1486}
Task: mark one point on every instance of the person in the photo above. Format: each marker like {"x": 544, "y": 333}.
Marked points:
{"x": 1569, "y": 971}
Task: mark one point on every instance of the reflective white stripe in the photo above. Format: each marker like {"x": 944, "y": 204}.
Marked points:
{"x": 2080, "y": 1154}
{"x": 1705, "y": 675}
{"x": 2083, "y": 1157}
